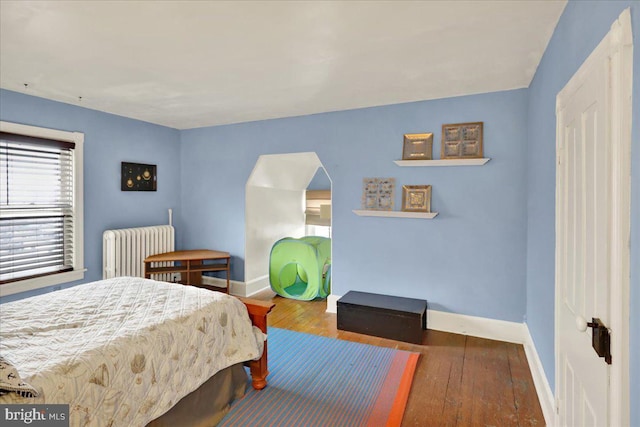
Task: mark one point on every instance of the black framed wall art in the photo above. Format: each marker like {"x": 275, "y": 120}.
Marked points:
{"x": 138, "y": 177}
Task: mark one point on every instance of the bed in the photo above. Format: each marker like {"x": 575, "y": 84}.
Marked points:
{"x": 129, "y": 351}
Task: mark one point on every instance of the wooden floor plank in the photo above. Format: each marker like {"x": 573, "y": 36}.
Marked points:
{"x": 459, "y": 380}
{"x": 493, "y": 379}
{"x": 440, "y": 379}
{"x": 525, "y": 398}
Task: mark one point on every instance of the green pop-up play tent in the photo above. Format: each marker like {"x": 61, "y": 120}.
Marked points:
{"x": 301, "y": 268}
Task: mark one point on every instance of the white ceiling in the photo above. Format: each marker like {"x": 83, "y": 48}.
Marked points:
{"x": 187, "y": 64}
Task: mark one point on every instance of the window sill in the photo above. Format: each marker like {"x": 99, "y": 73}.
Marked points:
{"x": 41, "y": 282}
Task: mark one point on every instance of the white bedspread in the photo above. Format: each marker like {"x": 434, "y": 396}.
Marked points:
{"x": 123, "y": 351}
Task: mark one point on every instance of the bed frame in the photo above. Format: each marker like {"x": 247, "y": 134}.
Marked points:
{"x": 258, "y": 311}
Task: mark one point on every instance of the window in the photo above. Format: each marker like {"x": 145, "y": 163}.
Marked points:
{"x": 40, "y": 207}
{"x": 318, "y": 213}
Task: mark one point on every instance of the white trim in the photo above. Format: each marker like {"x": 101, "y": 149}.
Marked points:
{"x": 237, "y": 288}
{"x": 256, "y": 285}
{"x": 40, "y": 282}
{"x": 332, "y": 303}
{"x": 543, "y": 389}
{"x": 557, "y": 274}
{"x": 78, "y": 193}
{"x": 443, "y": 162}
{"x": 241, "y": 289}
{"x": 78, "y": 203}
{"x": 621, "y": 46}
{"x": 39, "y": 132}
{"x": 481, "y": 327}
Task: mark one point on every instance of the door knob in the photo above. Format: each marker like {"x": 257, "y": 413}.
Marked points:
{"x": 581, "y": 323}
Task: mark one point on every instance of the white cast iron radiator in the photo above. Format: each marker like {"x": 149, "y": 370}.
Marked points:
{"x": 124, "y": 250}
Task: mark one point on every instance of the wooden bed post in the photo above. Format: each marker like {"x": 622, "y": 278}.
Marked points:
{"x": 258, "y": 311}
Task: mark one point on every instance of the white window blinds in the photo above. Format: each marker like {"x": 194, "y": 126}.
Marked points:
{"x": 36, "y": 206}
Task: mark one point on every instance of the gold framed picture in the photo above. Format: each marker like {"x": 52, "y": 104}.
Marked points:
{"x": 416, "y": 198}
{"x": 462, "y": 141}
{"x": 417, "y": 146}
{"x": 378, "y": 193}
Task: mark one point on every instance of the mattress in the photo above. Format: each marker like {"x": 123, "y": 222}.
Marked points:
{"x": 123, "y": 351}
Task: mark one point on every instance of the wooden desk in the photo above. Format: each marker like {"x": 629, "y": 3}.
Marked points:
{"x": 191, "y": 265}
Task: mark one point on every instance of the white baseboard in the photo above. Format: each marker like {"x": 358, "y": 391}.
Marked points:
{"x": 237, "y": 288}
{"x": 242, "y": 289}
{"x": 332, "y": 303}
{"x": 545, "y": 394}
{"x": 256, "y": 285}
{"x": 480, "y": 327}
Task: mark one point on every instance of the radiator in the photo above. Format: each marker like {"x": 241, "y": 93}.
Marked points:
{"x": 124, "y": 250}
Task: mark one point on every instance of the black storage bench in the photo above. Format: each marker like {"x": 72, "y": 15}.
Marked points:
{"x": 396, "y": 318}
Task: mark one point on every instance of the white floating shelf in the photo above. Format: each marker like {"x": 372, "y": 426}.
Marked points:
{"x": 397, "y": 214}
{"x": 445, "y": 162}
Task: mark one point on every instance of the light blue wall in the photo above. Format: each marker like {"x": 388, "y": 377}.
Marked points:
{"x": 320, "y": 181}
{"x": 108, "y": 140}
{"x": 470, "y": 259}
{"x": 580, "y": 29}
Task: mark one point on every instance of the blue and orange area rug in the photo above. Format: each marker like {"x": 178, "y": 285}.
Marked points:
{"x": 319, "y": 381}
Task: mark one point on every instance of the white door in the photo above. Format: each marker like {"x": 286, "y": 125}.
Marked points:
{"x": 583, "y": 216}
{"x": 587, "y": 239}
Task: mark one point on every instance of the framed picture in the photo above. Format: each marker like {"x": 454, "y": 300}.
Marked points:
{"x": 462, "y": 140}
{"x": 417, "y": 146}
{"x": 138, "y": 177}
{"x": 416, "y": 198}
{"x": 378, "y": 193}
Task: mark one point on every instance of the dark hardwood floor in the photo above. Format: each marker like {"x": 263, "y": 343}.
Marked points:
{"x": 459, "y": 380}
